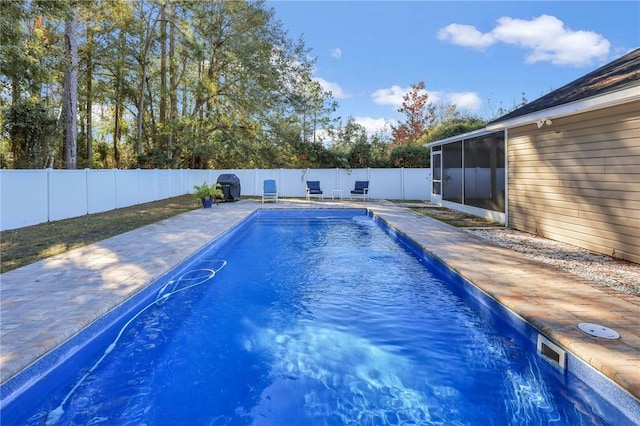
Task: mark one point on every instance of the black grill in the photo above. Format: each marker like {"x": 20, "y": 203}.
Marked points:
{"x": 230, "y": 186}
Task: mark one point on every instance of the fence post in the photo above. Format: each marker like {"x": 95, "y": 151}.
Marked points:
{"x": 115, "y": 186}
{"x": 87, "y": 191}
{"x": 49, "y": 198}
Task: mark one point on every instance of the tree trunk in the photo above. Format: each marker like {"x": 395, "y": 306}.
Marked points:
{"x": 173, "y": 96}
{"x": 116, "y": 133}
{"x": 144, "y": 57}
{"x": 140, "y": 118}
{"x": 89, "y": 95}
{"x": 70, "y": 97}
{"x": 116, "y": 118}
{"x": 117, "y": 101}
{"x": 162, "y": 108}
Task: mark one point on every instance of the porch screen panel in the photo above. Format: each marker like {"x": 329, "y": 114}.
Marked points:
{"x": 484, "y": 172}
{"x": 452, "y": 172}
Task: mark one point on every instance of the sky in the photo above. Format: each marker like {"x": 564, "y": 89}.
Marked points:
{"x": 479, "y": 55}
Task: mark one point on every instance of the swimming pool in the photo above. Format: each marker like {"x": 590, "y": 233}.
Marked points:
{"x": 312, "y": 318}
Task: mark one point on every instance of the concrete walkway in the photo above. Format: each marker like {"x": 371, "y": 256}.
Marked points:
{"x": 44, "y": 304}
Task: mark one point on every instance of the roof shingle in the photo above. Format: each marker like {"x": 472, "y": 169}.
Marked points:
{"x": 620, "y": 74}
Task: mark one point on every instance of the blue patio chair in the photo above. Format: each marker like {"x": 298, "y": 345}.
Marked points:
{"x": 313, "y": 189}
{"x": 269, "y": 190}
{"x": 361, "y": 189}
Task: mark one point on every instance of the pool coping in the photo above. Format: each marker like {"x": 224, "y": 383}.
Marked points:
{"x": 37, "y": 315}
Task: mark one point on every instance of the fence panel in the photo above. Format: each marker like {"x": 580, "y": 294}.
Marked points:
{"x": 248, "y": 183}
{"x": 197, "y": 177}
{"x": 69, "y": 190}
{"x": 101, "y": 190}
{"x": 417, "y": 184}
{"x": 345, "y": 182}
{"x": 385, "y": 183}
{"x": 164, "y": 181}
{"x": 292, "y": 183}
{"x": 147, "y": 186}
{"x": 24, "y": 198}
{"x": 180, "y": 182}
{"x": 126, "y": 188}
{"x": 30, "y": 197}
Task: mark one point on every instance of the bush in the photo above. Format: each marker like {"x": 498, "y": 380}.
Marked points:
{"x": 410, "y": 156}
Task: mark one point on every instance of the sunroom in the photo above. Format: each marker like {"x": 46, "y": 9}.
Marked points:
{"x": 468, "y": 173}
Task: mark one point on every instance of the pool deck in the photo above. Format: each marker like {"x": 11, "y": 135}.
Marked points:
{"x": 44, "y": 304}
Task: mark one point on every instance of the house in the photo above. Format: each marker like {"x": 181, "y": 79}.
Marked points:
{"x": 565, "y": 166}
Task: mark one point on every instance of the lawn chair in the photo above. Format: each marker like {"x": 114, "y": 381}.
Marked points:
{"x": 269, "y": 190}
{"x": 361, "y": 190}
{"x": 313, "y": 189}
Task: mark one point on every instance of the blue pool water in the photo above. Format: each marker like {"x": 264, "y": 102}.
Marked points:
{"x": 314, "y": 320}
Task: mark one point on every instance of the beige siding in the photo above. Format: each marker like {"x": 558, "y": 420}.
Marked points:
{"x": 578, "y": 180}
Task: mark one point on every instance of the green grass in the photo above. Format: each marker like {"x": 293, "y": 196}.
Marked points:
{"x": 454, "y": 218}
{"x": 20, "y": 247}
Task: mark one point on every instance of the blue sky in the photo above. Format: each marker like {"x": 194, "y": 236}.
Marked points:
{"x": 479, "y": 55}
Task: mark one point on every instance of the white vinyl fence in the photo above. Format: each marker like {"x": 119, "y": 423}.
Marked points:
{"x": 30, "y": 197}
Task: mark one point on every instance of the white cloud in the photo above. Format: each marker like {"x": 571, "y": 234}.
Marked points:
{"x": 394, "y": 96}
{"x": 391, "y": 96}
{"x": 336, "y": 53}
{"x": 374, "y": 125}
{"x": 464, "y": 101}
{"x": 465, "y": 35}
{"x": 545, "y": 37}
{"x": 334, "y": 88}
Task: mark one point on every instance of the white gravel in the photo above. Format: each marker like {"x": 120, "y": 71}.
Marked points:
{"x": 601, "y": 269}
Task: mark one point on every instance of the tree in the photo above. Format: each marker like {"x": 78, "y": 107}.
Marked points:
{"x": 313, "y": 106}
{"x": 380, "y": 146}
{"x": 89, "y": 91}
{"x": 420, "y": 115}
{"x": 346, "y": 136}
{"x": 70, "y": 97}
{"x": 410, "y": 156}
{"x": 164, "y": 84}
{"x": 452, "y": 128}
{"x": 149, "y": 16}
{"x": 32, "y": 129}
{"x": 30, "y": 59}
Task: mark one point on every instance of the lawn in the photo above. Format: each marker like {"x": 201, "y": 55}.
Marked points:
{"x": 20, "y": 247}
{"x": 455, "y": 218}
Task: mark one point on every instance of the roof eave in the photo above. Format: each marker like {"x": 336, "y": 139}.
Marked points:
{"x": 619, "y": 97}
{"x": 468, "y": 135}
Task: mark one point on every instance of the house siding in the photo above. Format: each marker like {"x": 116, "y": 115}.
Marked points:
{"x": 578, "y": 180}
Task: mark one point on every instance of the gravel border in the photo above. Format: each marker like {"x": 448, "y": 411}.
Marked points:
{"x": 604, "y": 270}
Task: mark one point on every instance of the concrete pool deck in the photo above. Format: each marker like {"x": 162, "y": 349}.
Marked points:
{"x": 44, "y": 304}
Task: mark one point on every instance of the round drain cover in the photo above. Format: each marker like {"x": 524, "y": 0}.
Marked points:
{"x": 598, "y": 331}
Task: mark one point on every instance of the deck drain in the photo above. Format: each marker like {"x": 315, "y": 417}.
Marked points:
{"x": 598, "y": 330}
